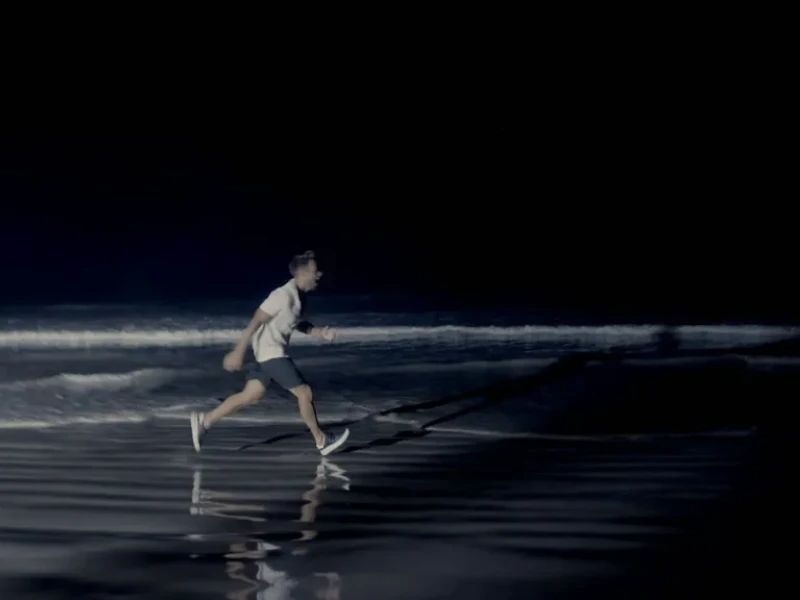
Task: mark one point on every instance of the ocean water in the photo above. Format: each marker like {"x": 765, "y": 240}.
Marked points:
{"x": 85, "y": 364}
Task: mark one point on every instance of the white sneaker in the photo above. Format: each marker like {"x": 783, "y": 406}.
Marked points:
{"x": 333, "y": 442}
{"x": 198, "y": 429}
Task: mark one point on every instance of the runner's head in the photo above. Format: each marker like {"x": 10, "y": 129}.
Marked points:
{"x": 303, "y": 268}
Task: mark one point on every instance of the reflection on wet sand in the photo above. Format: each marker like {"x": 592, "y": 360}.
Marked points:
{"x": 308, "y": 512}
{"x": 208, "y": 503}
{"x": 332, "y": 589}
{"x": 270, "y": 584}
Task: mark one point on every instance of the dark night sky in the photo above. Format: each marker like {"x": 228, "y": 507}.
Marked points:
{"x": 614, "y": 207}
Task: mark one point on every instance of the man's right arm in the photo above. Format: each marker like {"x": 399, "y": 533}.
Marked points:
{"x": 263, "y": 315}
{"x": 259, "y": 318}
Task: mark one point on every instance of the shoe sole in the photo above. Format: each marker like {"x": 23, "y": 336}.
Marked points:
{"x": 194, "y": 421}
{"x": 335, "y": 445}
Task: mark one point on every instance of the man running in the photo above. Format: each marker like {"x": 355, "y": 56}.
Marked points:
{"x": 269, "y": 332}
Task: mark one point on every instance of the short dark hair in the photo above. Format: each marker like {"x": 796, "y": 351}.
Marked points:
{"x": 300, "y": 260}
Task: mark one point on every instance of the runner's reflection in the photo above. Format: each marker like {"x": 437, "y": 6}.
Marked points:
{"x": 326, "y": 472}
{"x": 268, "y": 583}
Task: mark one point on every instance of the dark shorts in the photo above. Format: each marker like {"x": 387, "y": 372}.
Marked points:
{"x": 281, "y": 370}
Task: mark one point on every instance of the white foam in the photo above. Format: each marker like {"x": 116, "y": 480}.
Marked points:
{"x": 140, "y": 379}
{"x": 171, "y": 413}
{"x": 101, "y": 419}
{"x": 397, "y": 419}
{"x": 276, "y": 414}
{"x": 115, "y": 338}
{"x": 600, "y": 336}
{"x": 275, "y": 418}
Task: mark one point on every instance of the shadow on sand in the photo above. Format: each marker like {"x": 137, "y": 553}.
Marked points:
{"x": 604, "y": 393}
{"x": 493, "y": 394}
{"x": 722, "y": 538}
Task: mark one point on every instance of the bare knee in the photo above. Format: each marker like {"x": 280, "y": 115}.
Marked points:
{"x": 253, "y": 392}
{"x": 303, "y": 393}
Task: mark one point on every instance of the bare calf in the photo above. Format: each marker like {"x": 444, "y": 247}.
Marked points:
{"x": 305, "y": 402}
{"x": 253, "y": 392}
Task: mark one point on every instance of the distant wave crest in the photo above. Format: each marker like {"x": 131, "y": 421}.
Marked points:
{"x": 599, "y": 336}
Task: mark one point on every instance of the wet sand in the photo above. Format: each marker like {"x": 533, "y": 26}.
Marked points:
{"x": 130, "y": 511}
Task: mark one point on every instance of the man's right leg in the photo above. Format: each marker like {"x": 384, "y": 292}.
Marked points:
{"x": 253, "y": 392}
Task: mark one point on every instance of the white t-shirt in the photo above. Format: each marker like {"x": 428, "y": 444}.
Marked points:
{"x": 285, "y": 307}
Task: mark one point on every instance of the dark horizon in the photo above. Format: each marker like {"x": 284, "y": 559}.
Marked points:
{"x": 486, "y": 216}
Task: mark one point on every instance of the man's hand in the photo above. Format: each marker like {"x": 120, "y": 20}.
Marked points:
{"x": 233, "y": 360}
{"x": 327, "y": 333}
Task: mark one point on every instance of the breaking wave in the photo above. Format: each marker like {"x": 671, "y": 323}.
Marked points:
{"x": 695, "y": 336}
{"x": 139, "y": 379}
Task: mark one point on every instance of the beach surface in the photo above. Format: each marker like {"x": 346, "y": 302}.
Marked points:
{"x": 128, "y": 510}
{"x": 485, "y": 461}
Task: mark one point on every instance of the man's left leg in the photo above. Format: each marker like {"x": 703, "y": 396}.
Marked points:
{"x": 305, "y": 402}
{"x": 286, "y": 374}
{"x": 326, "y": 443}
